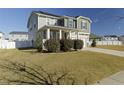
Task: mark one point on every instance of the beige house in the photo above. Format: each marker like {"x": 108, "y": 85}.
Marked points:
{"x": 52, "y": 26}
{"x": 18, "y": 36}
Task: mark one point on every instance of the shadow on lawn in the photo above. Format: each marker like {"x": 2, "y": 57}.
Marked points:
{"x": 36, "y": 75}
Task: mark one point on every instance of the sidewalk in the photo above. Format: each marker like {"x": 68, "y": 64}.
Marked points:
{"x": 106, "y": 51}
{"x": 116, "y": 79}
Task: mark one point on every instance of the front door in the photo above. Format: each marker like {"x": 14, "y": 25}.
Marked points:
{"x": 64, "y": 35}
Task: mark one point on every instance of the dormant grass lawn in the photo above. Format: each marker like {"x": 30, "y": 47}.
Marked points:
{"x": 113, "y": 47}
{"x": 82, "y": 64}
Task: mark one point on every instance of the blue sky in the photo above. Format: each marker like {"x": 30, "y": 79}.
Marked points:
{"x": 105, "y": 21}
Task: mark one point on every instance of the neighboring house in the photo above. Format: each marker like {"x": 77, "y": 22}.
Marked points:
{"x": 1, "y": 35}
{"x": 110, "y": 38}
{"x": 15, "y": 40}
{"x": 18, "y": 36}
{"x": 52, "y": 26}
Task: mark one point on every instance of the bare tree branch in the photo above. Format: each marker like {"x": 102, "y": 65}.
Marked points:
{"x": 38, "y": 75}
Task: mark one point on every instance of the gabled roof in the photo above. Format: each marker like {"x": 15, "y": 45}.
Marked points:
{"x": 46, "y": 13}
{"x": 41, "y": 12}
{"x": 50, "y": 14}
{"x": 87, "y": 18}
{"x": 15, "y": 32}
{"x": 65, "y": 16}
{"x": 54, "y": 15}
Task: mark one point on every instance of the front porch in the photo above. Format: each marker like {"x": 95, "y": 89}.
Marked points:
{"x": 58, "y": 32}
{"x": 55, "y": 34}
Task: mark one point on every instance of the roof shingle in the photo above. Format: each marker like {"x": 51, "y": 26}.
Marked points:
{"x": 14, "y": 32}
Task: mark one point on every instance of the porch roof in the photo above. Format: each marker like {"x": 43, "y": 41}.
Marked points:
{"x": 60, "y": 27}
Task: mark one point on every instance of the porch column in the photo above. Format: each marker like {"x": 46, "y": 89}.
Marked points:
{"x": 70, "y": 34}
{"x": 60, "y": 34}
{"x": 48, "y": 33}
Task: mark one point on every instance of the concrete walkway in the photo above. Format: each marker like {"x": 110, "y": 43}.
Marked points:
{"x": 106, "y": 51}
{"x": 116, "y": 79}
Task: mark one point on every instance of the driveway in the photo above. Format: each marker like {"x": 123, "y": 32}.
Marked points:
{"x": 106, "y": 51}
{"x": 116, "y": 79}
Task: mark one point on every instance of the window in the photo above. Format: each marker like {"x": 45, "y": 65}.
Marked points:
{"x": 83, "y": 25}
{"x": 70, "y": 23}
{"x": 54, "y": 35}
{"x": 52, "y": 21}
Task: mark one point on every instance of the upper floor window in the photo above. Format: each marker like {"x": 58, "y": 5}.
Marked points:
{"x": 83, "y": 25}
{"x": 70, "y": 23}
{"x": 51, "y": 21}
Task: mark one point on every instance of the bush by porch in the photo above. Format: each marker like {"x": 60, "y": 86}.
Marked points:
{"x": 54, "y": 45}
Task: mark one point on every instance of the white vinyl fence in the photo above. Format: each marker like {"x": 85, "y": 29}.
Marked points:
{"x": 6, "y": 44}
{"x": 108, "y": 42}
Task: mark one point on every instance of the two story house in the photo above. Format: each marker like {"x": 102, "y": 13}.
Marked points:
{"x": 52, "y": 26}
{"x": 18, "y": 36}
{"x": 110, "y": 38}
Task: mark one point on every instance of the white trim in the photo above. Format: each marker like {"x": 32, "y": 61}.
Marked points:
{"x": 48, "y": 33}
{"x": 60, "y": 34}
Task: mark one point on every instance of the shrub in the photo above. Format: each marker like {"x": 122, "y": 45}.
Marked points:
{"x": 93, "y": 43}
{"x": 38, "y": 43}
{"x": 52, "y": 45}
{"x": 78, "y": 44}
{"x": 66, "y": 44}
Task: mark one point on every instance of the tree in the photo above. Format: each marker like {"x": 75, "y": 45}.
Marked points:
{"x": 39, "y": 42}
{"x": 93, "y": 43}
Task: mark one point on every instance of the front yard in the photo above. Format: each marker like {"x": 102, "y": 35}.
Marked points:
{"x": 83, "y": 64}
{"x": 113, "y": 47}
